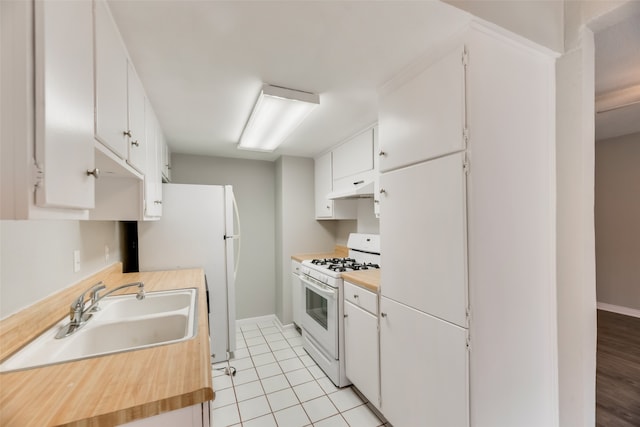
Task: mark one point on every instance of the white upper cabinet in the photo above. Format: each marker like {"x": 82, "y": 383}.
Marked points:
{"x": 166, "y": 163}
{"x": 136, "y": 104}
{"x": 326, "y": 208}
{"x": 323, "y": 186}
{"x": 111, "y": 83}
{"x": 353, "y": 163}
{"x": 424, "y": 224}
{"x": 424, "y": 117}
{"x": 64, "y": 104}
{"x": 352, "y": 158}
{"x": 47, "y": 120}
{"x": 152, "y": 178}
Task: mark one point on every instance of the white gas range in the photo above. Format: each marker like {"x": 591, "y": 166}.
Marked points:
{"x": 323, "y": 311}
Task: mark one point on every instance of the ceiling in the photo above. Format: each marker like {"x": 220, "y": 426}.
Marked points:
{"x": 617, "y": 68}
{"x": 203, "y": 63}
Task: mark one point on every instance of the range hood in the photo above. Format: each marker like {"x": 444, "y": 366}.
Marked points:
{"x": 360, "y": 189}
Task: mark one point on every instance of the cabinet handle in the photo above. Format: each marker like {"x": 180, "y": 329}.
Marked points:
{"x": 95, "y": 172}
{"x": 383, "y": 191}
{"x": 157, "y": 202}
{"x": 136, "y": 143}
{"x": 358, "y": 182}
{"x": 127, "y": 133}
{"x": 328, "y": 207}
{"x": 382, "y": 153}
{"x": 383, "y": 314}
{"x": 346, "y": 315}
{"x": 355, "y": 295}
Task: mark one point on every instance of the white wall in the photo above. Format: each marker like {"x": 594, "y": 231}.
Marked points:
{"x": 617, "y": 218}
{"x": 253, "y": 184}
{"x": 576, "y": 235}
{"x": 36, "y": 257}
{"x": 297, "y": 231}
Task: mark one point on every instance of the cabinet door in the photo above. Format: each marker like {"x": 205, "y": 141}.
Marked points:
{"x": 166, "y": 163}
{"x": 424, "y": 368}
{"x": 423, "y": 211}
{"x": 354, "y": 156}
{"x": 424, "y": 118}
{"x": 296, "y": 293}
{"x": 64, "y": 104}
{"x": 111, "y": 83}
{"x": 323, "y": 185}
{"x": 152, "y": 179}
{"x": 361, "y": 351}
{"x": 136, "y": 103}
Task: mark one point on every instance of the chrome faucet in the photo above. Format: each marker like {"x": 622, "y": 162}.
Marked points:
{"x": 79, "y": 315}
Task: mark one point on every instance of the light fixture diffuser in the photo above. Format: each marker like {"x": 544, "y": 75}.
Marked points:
{"x": 277, "y": 112}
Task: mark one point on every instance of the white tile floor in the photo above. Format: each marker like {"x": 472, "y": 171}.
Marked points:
{"x": 277, "y": 384}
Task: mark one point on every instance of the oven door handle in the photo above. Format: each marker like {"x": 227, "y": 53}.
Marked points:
{"x": 322, "y": 289}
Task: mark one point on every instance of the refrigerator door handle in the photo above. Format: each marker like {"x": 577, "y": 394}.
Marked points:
{"x": 236, "y": 236}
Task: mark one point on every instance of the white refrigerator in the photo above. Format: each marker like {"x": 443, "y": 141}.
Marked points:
{"x": 199, "y": 228}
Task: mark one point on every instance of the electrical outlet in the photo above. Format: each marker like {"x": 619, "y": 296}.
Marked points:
{"x": 76, "y": 260}
{"x": 106, "y": 253}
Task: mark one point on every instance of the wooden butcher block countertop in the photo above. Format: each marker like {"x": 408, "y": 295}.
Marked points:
{"x": 369, "y": 279}
{"x": 112, "y": 389}
{"x": 339, "y": 252}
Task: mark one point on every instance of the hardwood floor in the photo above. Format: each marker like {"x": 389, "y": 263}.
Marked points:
{"x": 618, "y": 371}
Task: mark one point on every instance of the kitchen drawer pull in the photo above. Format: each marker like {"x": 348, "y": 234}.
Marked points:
{"x": 346, "y": 315}
{"x": 383, "y": 191}
{"x": 95, "y": 173}
{"x": 157, "y": 202}
{"x": 359, "y": 182}
{"x": 382, "y": 153}
{"x": 383, "y": 314}
{"x": 127, "y": 133}
{"x": 355, "y": 295}
{"x": 136, "y": 143}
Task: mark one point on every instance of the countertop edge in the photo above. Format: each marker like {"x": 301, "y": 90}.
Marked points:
{"x": 60, "y": 411}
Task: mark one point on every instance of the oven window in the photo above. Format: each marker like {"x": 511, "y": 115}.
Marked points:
{"x": 316, "y": 307}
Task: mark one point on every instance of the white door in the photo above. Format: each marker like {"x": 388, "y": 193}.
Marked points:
{"x": 361, "y": 351}
{"x": 424, "y": 118}
{"x": 424, "y": 245}
{"x": 424, "y": 368}
{"x": 64, "y": 104}
{"x": 111, "y": 83}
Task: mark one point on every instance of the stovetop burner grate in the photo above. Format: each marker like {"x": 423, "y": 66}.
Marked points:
{"x": 341, "y": 265}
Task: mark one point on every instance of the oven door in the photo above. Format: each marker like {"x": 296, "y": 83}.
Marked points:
{"x": 320, "y": 314}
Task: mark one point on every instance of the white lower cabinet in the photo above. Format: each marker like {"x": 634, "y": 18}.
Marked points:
{"x": 296, "y": 293}
{"x": 361, "y": 351}
{"x": 191, "y": 416}
{"x": 424, "y": 368}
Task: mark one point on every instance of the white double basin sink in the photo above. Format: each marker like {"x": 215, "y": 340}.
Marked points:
{"x": 123, "y": 323}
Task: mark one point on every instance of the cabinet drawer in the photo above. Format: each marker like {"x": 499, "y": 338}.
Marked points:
{"x": 361, "y": 297}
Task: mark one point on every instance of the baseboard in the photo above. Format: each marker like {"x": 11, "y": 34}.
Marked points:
{"x": 619, "y": 309}
{"x": 282, "y": 327}
{"x": 265, "y": 319}
{"x": 259, "y": 319}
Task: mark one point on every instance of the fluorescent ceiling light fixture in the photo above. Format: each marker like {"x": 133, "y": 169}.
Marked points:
{"x": 278, "y": 111}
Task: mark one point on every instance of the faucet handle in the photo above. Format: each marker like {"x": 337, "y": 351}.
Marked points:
{"x": 93, "y": 298}
{"x": 78, "y": 303}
